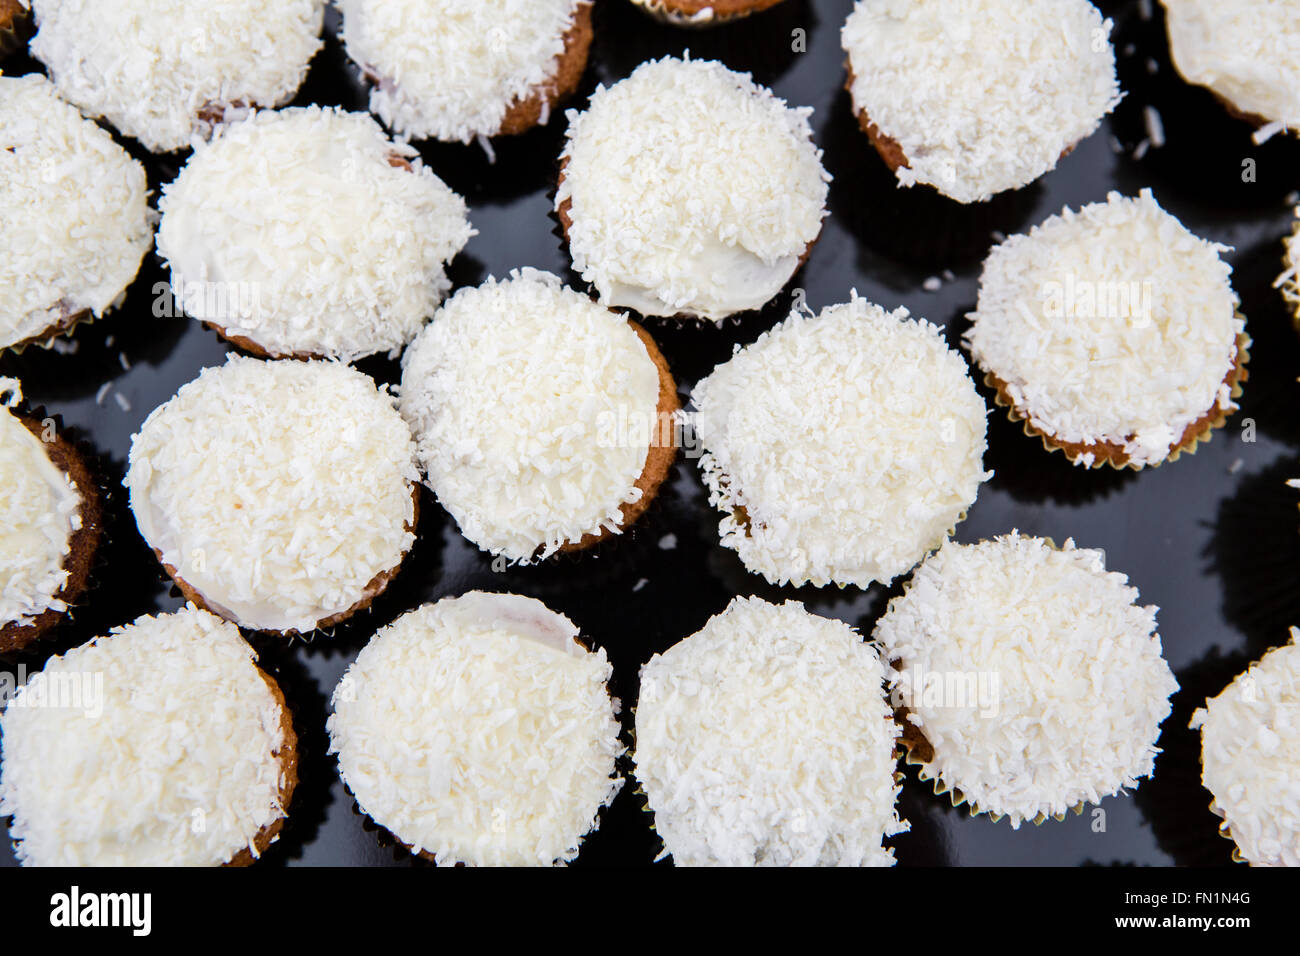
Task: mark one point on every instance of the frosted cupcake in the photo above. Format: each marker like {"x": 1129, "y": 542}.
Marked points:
{"x": 689, "y": 190}
{"x": 49, "y": 523}
{"x": 162, "y": 744}
{"x": 479, "y": 730}
{"x": 544, "y": 421}
{"x": 166, "y": 71}
{"x": 280, "y": 234}
{"x": 766, "y": 740}
{"x": 975, "y": 97}
{"x": 74, "y": 215}
{"x": 1031, "y": 681}
{"x": 1247, "y": 53}
{"x": 279, "y": 495}
{"x": 1113, "y": 333}
{"x": 702, "y": 13}
{"x": 456, "y": 71}
{"x": 1250, "y": 758}
{"x": 840, "y": 448}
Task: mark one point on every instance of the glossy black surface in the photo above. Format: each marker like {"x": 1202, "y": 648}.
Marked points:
{"x": 1212, "y": 539}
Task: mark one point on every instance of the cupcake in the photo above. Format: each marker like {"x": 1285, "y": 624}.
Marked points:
{"x": 49, "y": 523}
{"x": 1030, "y": 680}
{"x": 449, "y": 70}
{"x": 13, "y": 16}
{"x": 702, "y": 13}
{"x": 74, "y": 215}
{"x": 544, "y": 422}
{"x": 167, "y": 71}
{"x": 850, "y": 473}
{"x": 1250, "y": 758}
{"x": 975, "y": 97}
{"x": 1112, "y": 333}
{"x": 766, "y": 740}
{"x": 162, "y": 744}
{"x": 1247, "y": 53}
{"x": 1289, "y": 280}
{"x": 479, "y": 730}
{"x": 279, "y": 495}
{"x": 689, "y": 190}
{"x": 309, "y": 233}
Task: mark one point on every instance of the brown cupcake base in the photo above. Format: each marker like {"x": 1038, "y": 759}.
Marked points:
{"x": 660, "y": 457}
{"x": 13, "y": 21}
{"x": 82, "y": 544}
{"x": 372, "y": 590}
{"x": 287, "y": 755}
{"x": 1112, "y": 454}
{"x": 523, "y": 114}
{"x": 65, "y": 324}
{"x": 685, "y": 13}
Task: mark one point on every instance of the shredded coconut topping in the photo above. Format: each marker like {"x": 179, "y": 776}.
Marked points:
{"x": 1110, "y": 324}
{"x": 154, "y": 746}
{"x": 152, "y": 67}
{"x": 694, "y": 190}
{"x": 981, "y": 95}
{"x": 533, "y": 409}
{"x": 766, "y": 739}
{"x": 1247, "y": 52}
{"x": 1072, "y": 686}
{"x": 317, "y": 242}
{"x": 449, "y": 69}
{"x": 842, "y": 447}
{"x": 478, "y": 730}
{"x": 277, "y": 490}
{"x": 1250, "y": 756}
{"x": 39, "y": 511}
{"x": 74, "y": 212}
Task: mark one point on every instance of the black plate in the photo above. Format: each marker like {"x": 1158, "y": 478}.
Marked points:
{"x": 1212, "y": 539}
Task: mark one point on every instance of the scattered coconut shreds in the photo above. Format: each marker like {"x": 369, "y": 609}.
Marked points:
{"x": 1153, "y": 67}
{"x": 185, "y": 722}
{"x": 1155, "y": 126}
{"x": 1250, "y": 756}
{"x": 122, "y": 401}
{"x": 1236, "y": 466}
{"x": 123, "y": 361}
{"x": 668, "y": 542}
{"x": 1116, "y": 145}
{"x": 65, "y": 346}
{"x": 766, "y": 740}
{"x": 479, "y": 730}
{"x": 948, "y": 275}
{"x": 102, "y": 393}
{"x": 640, "y": 583}
{"x": 932, "y": 284}
{"x": 1145, "y": 10}
{"x": 1063, "y": 688}
{"x": 1268, "y": 131}
{"x": 1141, "y": 150}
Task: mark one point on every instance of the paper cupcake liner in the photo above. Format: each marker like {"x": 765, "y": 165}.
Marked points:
{"x": 666, "y": 11}
{"x": 1289, "y": 283}
{"x": 85, "y": 543}
{"x": 1225, "y": 831}
{"x": 65, "y": 327}
{"x": 1112, "y": 455}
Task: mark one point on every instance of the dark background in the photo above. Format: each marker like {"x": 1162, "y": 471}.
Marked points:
{"x": 1211, "y": 539}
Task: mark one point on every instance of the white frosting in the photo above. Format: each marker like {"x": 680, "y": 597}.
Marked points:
{"x": 766, "y": 739}
{"x": 981, "y": 95}
{"x": 515, "y": 392}
{"x": 39, "y": 511}
{"x": 1246, "y": 51}
{"x": 1250, "y": 756}
{"x": 1110, "y": 324}
{"x": 478, "y": 730}
{"x": 317, "y": 243}
{"x": 852, "y": 440}
{"x": 1071, "y": 684}
{"x": 74, "y": 212}
{"x": 449, "y": 69}
{"x": 277, "y": 490}
{"x": 151, "y": 66}
{"x": 694, "y": 190}
{"x": 166, "y": 756}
